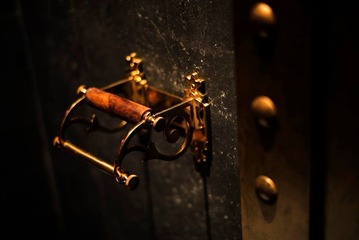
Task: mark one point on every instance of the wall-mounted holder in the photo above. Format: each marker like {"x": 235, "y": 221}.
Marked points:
{"x": 184, "y": 121}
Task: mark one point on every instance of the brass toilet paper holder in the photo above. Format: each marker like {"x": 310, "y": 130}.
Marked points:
{"x": 142, "y": 111}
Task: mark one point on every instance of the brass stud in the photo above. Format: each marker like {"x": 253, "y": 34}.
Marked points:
{"x": 262, "y": 14}
{"x": 266, "y": 189}
{"x": 264, "y": 110}
{"x": 264, "y": 28}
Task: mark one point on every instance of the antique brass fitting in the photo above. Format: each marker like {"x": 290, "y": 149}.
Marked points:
{"x": 142, "y": 107}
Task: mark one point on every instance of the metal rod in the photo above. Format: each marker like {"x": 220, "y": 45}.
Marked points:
{"x": 99, "y": 163}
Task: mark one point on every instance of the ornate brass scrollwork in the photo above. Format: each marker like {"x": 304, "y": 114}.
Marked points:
{"x": 183, "y": 121}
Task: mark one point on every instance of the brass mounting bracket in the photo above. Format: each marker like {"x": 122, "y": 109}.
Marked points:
{"x": 142, "y": 109}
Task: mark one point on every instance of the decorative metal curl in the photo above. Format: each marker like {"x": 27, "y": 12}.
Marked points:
{"x": 149, "y": 109}
{"x": 170, "y": 134}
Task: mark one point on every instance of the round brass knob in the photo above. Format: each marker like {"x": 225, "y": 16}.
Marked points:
{"x": 132, "y": 181}
{"x": 81, "y": 90}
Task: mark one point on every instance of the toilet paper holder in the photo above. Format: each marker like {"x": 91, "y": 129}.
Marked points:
{"x": 142, "y": 111}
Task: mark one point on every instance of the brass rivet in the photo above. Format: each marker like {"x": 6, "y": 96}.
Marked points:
{"x": 266, "y": 189}
{"x": 262, "y": 13}
{"x": 264, "y": 21}
{"x": 264, "y": 109}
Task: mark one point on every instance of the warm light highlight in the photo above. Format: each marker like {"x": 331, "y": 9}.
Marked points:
{"x": 262, "y": 13}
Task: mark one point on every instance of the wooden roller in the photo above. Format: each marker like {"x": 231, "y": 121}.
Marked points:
{"x": 127, "y": 110}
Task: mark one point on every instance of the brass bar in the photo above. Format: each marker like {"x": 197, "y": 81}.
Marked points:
{"x": 99, "y": 163}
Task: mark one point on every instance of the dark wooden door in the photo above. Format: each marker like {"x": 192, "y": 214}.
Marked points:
{"x": 53, "y": 47}
{"x": 74, "y": 43}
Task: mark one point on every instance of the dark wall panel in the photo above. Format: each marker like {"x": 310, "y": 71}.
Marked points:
{"x": 80, "y": 42}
